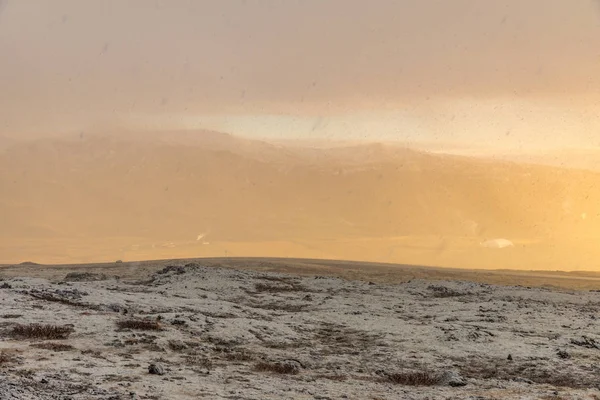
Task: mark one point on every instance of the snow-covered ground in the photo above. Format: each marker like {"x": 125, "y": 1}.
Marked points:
{"x": 239, "y": 334}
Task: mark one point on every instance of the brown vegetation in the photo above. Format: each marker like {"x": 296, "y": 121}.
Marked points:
{"x": 418, "y": 378}
{"x": 279, "y": 288}
{"x": 6, "y": 358}
{"x": 239, "y": 356}
{"x": 445, "y": 292}
{"x": 54, "y": 346}
{"x": 528, "y": 371}
{"x": 11, "y": 316}
{"x": 39, "y": 331}
{"x": 199, "y": 361}
{"x": 140, "y": 325}
{"x": 276, "y": 367}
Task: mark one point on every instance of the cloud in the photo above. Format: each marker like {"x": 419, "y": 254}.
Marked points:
{"x": 68, "y": 62}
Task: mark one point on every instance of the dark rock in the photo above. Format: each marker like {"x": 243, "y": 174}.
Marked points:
{"x": 156, "y": 369}
{"x": 114, "y": 307}
{"x": 562, "y": 354}
{"x": 453, "y": 379}
{"x": 6, "y": 285}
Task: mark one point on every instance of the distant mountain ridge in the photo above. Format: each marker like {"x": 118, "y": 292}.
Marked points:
{"x": 172, "y": 186}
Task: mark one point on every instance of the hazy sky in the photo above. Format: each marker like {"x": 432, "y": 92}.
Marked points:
{"x": 506, "y": 72}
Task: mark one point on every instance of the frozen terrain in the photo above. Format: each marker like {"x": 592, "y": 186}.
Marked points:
{"x": 187, "y": 331}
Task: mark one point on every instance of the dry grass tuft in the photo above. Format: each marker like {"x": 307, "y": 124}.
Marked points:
{"x": 84, "y": 277}
{"x": 280, "y": 306}
{"x": 177, "y": 345}
{"x": 39, "y": 331}
{"x": 335, "y": 378}
{"x": 445, "y": 292}
{"x": 529, "y": 370}
{"x": 340, "y": 339}
{"x": 140, "y": 325}
{"x": 276, "y": 367}
{"x": 53, "y": 298}
{"x": 239, "y": 356}
{"x": 6, "y": 358}
{"x": 92, "y": 353}
{"x": 57, "y": 347}
{"x": 279, "y": 288}
{"x": 199, "y": 361}
{"x": 586, "y": 342}
{"x": 419, "y": 378}
{"x": 11, "y": 316}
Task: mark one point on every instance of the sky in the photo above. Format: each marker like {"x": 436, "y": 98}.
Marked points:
{"x": 503, "y": 73}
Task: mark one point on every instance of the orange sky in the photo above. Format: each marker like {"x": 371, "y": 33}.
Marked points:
{"x": 511, "y": 71}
